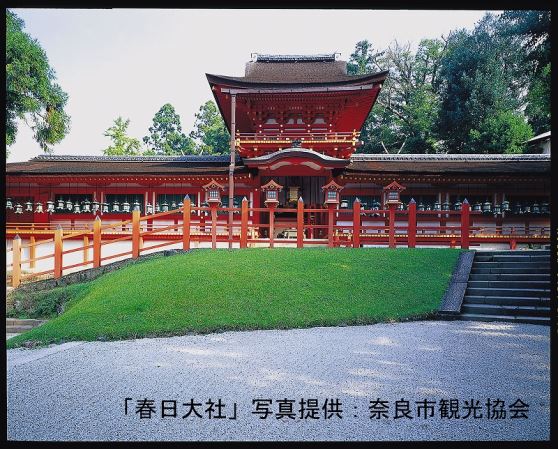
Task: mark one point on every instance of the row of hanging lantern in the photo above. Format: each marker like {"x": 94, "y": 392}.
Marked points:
{"x": 486, "y": 208}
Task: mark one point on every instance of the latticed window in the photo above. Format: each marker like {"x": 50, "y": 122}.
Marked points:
{"x": 331, "y": 195}
{"x": 272, "y": 194}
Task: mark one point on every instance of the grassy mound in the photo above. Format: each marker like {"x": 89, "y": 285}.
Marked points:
{"x": 205, "y": 291}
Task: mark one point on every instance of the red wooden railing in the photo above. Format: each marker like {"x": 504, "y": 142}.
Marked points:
{"x": 454, "y": 228}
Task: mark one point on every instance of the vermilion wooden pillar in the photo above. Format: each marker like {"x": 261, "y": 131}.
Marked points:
{"x": 356, "y": 224}
{"x": 330, "y": 224}
{"x": 186, "y": 213}
{"x": 465, "y": 224}
{"x": 213, "y": 226}
{"x": 244, "y": 223}
{"x": 271, "y": 225}
{"x": 412, "y": 224}
{"x": 300, "y": 223}
{"x": 392, "y": 225}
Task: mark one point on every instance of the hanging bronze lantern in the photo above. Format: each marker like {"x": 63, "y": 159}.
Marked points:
{"x": 136, "y": 205}
{"x": 165, "y": 206}
{"x": 401, "y": 206}
{"x": 125, "y": 206}
{"x": 86, "y": 206}
{"x": 428, "y": 206}
{"x": 28, "y": 206}
{"x": 181, "y": 204}
{"x": 545, "y": 208}
{"x": 157, "y": 208}
{"x": 536, "y": 209}
{"x": 50, "y": 206}
{"x": 421, "y": 207}
{"x": 9, "y": 204}
{"x": 60, "y": 205}
{"x": 487, "y": 207}
{"x": 517, "y": 209}
{"x": 149, "y": 208}
{"x": 437, "y": 205}
{"x": 77, "y": 209}
{"x": 477, "y": 207}
{"x": 505, "y": 206}
{"x": 446, "y": 205}
{"x": 18, "y": 209}
{"x": 115, "y": 206}
{"x": 526, "y": 209}
{"x": 69, "y": 205}
{"x": 497, "y": 209}
{"x": 344, "y": 204}
{"x": 39, "y": 208}
{"x": 457, "y": 205}
{"x": 173, "y": 205}
{"x": 104, "y": 208}
{"x": 94, "y": 206}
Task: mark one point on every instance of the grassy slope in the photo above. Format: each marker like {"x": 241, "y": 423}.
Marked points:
{"x": 252, "y": 289}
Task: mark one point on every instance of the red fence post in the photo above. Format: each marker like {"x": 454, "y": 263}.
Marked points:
{"x": 97, "y": 242}
{"x": 300, "y": 223}
{"x": 244, "y": 223}
{"x": 465, "y": 228}
{"x": 16, "y": 261}
{"x": 58, "y": 252}
{"x": 32, "y": 251}
{"x": 186, "y": 211}
{"x": 135, "y": 233}
{"x": 412, "y": 224}
{"x": 392, "y": 225}
{"x": 356, "y": 224}
{"x": 85, "y": 248}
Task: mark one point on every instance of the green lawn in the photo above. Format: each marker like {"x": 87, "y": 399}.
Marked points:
{"x": 280, "y": 288}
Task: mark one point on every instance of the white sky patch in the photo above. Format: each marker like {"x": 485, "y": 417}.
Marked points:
{"x": 130, "y": 62}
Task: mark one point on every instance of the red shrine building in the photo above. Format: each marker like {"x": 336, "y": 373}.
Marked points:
{"x": 296, "y": 124}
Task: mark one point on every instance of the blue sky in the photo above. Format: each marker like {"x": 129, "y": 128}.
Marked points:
{"x": 130, "y": 62}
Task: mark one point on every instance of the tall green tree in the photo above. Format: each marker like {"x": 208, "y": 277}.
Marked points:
{"x": 122, "y": 144}
{"x": 533, "y": 30}
{"x": 482, "y": 91}
{"x": 407, "y": 108}
{"x": 210, "y": 132}
{"x": 166, "y": 136}
{"x": 32, "y": 94}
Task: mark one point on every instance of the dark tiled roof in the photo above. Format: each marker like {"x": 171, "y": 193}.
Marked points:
{"x": 295, "y": 58}
{"x": 288, "y": 70}
{"x": 450, "y": 163}
{"x": 154, "y": 165}
{"x": 367, "y": 163}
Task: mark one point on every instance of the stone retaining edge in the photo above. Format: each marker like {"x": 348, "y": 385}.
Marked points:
{"x": 453, "y": 297}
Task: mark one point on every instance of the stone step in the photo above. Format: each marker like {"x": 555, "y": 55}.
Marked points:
{"x": 23, "y": 322}
{"x": 510, "y": 277}
{"x": 505, "y": 318}
{"x": 476, "y": 270}
{"x": 516, "y": 284}
{"x": 18, "y": 329}
{"x": 508, "y": 292}
{"x": 514, "y": 259}
{"x": 503, "y": 300}
{"x": 520, "y": 265}
{"x": 514, "y": 252}
{"x": 522, "y": 258}
{"x": 512, "y": 310}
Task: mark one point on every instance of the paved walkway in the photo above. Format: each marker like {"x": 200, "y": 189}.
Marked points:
{"x": 77, "y": 391}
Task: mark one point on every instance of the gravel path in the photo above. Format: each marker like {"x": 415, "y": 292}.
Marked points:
{"x": 77, "y": 391}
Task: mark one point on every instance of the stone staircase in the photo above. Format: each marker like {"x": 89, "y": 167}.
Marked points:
{"x": 18, "y": 326}
{"x": 510, "y": 286}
